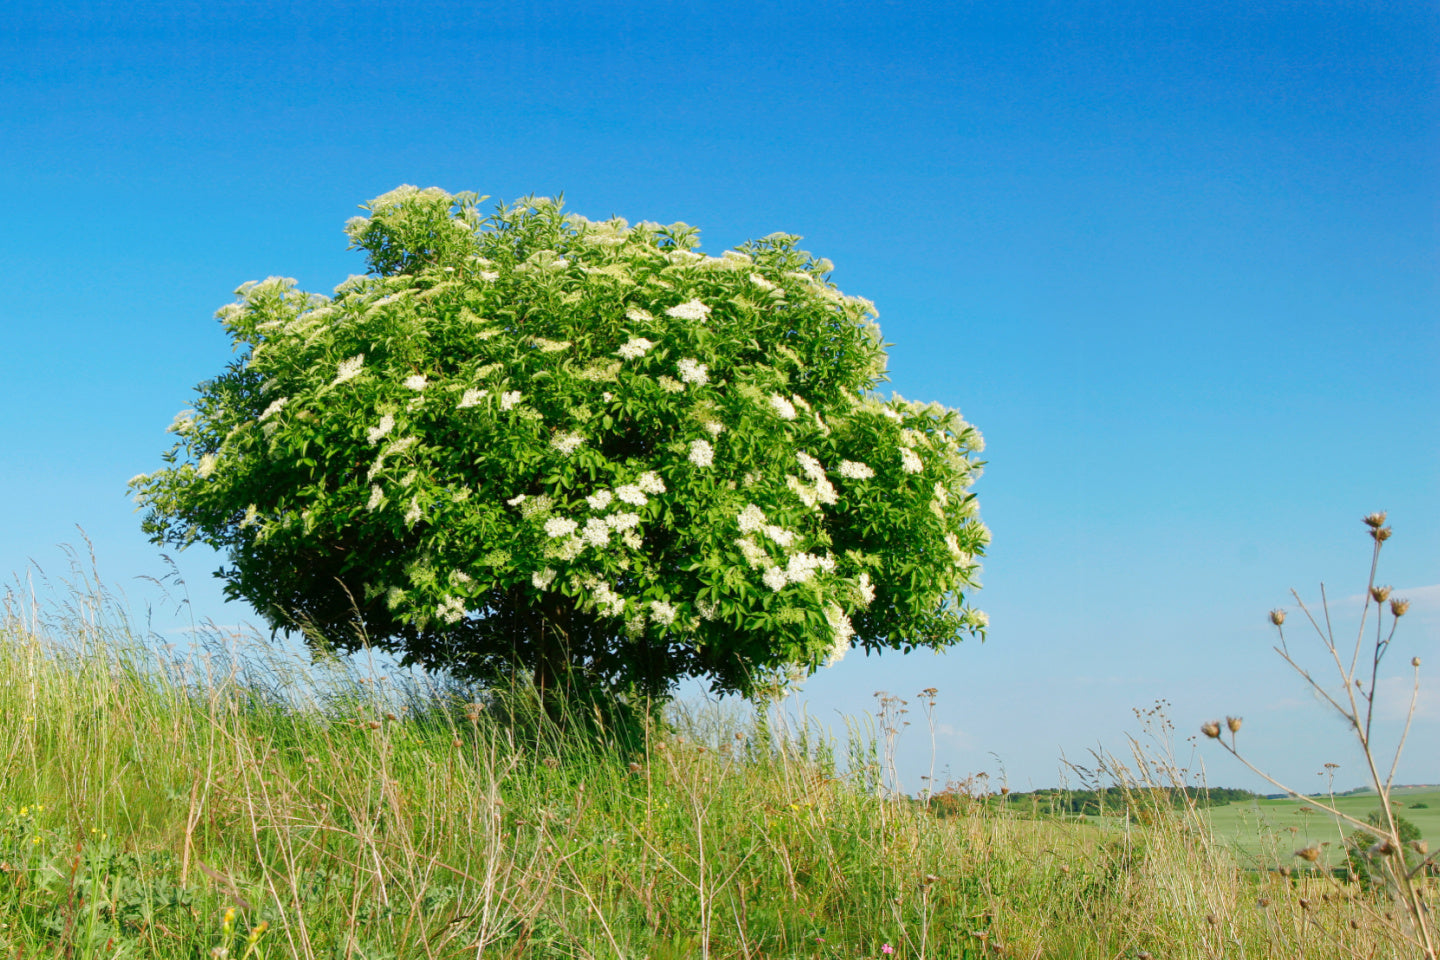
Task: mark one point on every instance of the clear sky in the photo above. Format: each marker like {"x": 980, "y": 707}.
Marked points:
{"x": 1177, "y": 261}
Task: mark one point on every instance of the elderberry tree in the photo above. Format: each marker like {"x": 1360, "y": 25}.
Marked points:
{"x": 531, "y": 443}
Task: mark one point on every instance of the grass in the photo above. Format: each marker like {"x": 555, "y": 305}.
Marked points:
{"x": 237, "y": 802}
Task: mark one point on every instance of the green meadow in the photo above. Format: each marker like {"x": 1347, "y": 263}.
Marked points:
{"x": 235, "y": 801}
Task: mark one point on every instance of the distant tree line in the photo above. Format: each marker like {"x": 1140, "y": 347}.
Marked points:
{"x": 1107, "y": 800}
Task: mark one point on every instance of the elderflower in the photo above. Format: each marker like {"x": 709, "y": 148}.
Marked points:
{"x": 669, "y": 384}
{"x": 841, "y": 632}
{"x": 690, "y": 310}
{"x": 855, "y": 470}
{"x": 635, "y": 348}
{"x": 632, "y": 494}
{"x": 542, "y": 578}
{"x": 639, "y": 315}
{"x": 509, "y": 398}
{"x": 623, "y": 521}
{"x": 274, "y": 408}
{"x": 693, "y": 371}
{"x": 451, "y": 609}
{"x": 750, "y": 519}
{"x": 567, "y": 443}
{"x": 910, "y": 461}
{"x": 376, "y": 496}
{"x": 701, "y": 453}
{"x": 349, "y": 369}
{"x": 775, "y": 578}
{"x": 662, "y": 613}
{"x": 471, "y": 398}
{"x": 416, "y": 383}
{"x": 207, "y": 465}
{"x": 597, "y": 532}
{"x": 560, "y": 527}
{"x": 387, "y": 423}
{"x": 650, "y": 482}
{"x": 754, "y": 554}
{"x": 783, "y": 407}
{"x": 600, "y": 499}
{"x": 762, "y": 283}
{"x": 414, "y": 513}
{"x": 865, "y": 589}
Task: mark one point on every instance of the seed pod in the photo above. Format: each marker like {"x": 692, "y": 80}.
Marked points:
{"x": 1211, "y": 729}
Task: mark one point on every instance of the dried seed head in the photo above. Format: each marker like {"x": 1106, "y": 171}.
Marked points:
{"x": 1277, "y": 616}
{"x": 1309, "y": 854}
{"x": 1211, "y": 919}
{"x": 1211, "y": 729}
{"x": 635, "y": 767}
{"x": 1233, "y": 723}
{"x": 1381, "y": 594}
{"x": 1376, "y": 520}
{"x": 1420, "y": 847}
{"x": 1381, "y": 535}
{"x": 1263, "y": 902}
{"x": 1399, "y": 607}
{"x": 551, "y": 762}
{"x": 1415, "y": 662}
{"x": 1385, "y": 848}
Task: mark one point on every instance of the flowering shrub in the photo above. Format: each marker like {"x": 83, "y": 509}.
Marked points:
{"x": 583, "y": 449}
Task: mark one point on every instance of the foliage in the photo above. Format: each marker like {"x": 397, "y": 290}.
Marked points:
{"x": 581, "y": 449}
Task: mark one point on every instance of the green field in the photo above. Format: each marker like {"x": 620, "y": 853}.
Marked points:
{"x": 1265, "y": 833}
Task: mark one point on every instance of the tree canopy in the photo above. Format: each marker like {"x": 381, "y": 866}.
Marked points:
{"x": 585, "y": 450}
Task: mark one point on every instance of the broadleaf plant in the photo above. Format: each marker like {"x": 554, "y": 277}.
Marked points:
{"x": 531, "y": 443}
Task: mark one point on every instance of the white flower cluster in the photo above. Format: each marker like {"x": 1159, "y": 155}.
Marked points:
{"x": 635, "y": 348}
{"x": 542, "y": 578}
{"x": 841, "y": 631}
{"x": 910, "y": 461}
{"x": 596, "y": 532}
{"x": 802, "y": 566}
{"x": 489, "y": 276}
{"x": 638, "y": 315}
{"x": 387, "y": 423}
{"x": 690, "y": 310}
{"x": 855, "y": 470}
{"x": 416, "y": 383}
{"x": 693, "y": 371}
{"x": 472, "y": 398}
{"x": 865, "y": 589}
{"x": 662, "y": 613}
{"x": 701, "y": 453}
{"x": 820, "y": 489}
{"x": 567, "y": 443}
{"x": 274, "y": 408}
{"x": 762, "y": 283}
{"x": 413, "y": 515}
{"x": 376, "y": 497}
{"x": 549, "y": 346}
{"x": 606, "y": 600}
{"x": 560, "y": 527}
{"x": 207, "y": 465}
{"x": 451, "y": 609}
{"x": 509, "y": 399}
{"x": 600, "y": 499}
{"x": 751, "y": 518}
{"x": 669, "y": 384}
{"x": 783, "y": 407}
{"x": 349, "y": 369}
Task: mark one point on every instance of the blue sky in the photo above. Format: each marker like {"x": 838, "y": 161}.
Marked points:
{"x": 1177, "y": 261}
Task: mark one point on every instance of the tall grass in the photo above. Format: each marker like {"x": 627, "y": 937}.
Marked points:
{"x": 233, "y": 801}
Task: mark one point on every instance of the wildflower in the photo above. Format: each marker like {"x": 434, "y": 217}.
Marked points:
{"x": 650, "y": 482}
{"x": 693, "y": 371}
{"x": 597, "y": 532}
{"x": 632, "y": 539}
{"x": 662, "y": 613}
{"x": 509, "y": 398}
{"x": 451, "y": 609}
{"x": 690, "y": 310}
{"x": 567, "y": 443}
{"x": 599, "y": 500}
{"x": 886, "y": 948}
{"x": 714, "y": 427}
{"x": 854, "y": 470}
{"x": 783, "y": 407}
{"x": 635, "y": 348}
{"x": 701, "y": 453}
{"x": 416, "y": 383}
{"x": 751, "y": 518}
{"x": 542, "y": 578}
{"x": 909, "y": 461}
{"x": 638, "y": 315}
{"x": 775, "y": 578}
{"x": 632, "y": 494}
{"x": 518, "y": 500}
{"x": 349, "y": 369}
{"x": 560, "y": 527}
{"x": 471, "y": 398}
{"x": 387, "y": 423}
